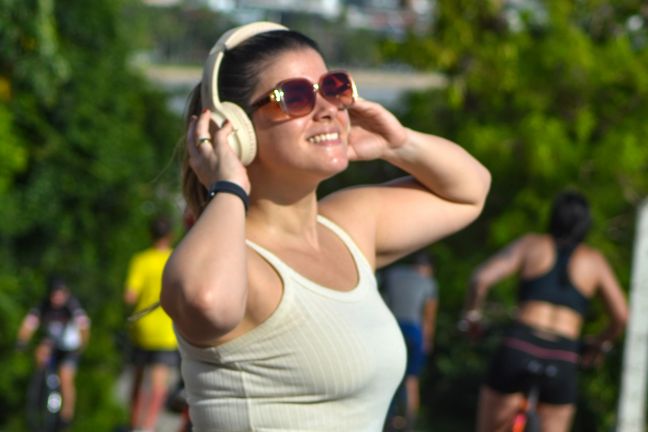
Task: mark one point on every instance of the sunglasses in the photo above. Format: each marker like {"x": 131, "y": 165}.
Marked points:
{"x": 296, "y": 97}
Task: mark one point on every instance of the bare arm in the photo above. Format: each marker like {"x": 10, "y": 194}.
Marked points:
{"x": 130, "y": 297}
{"x": 27, "y": 328}
{"x": 446, "y": 191}
{"x": 204, "y": 286}
{"x": 614, "y": 300}
{"x": 501, "y": 265}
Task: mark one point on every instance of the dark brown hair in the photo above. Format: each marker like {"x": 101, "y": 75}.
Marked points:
{"x": 238, "y": 77}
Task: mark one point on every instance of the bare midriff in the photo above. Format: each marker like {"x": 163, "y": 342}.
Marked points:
{"x": 550, "y": 318}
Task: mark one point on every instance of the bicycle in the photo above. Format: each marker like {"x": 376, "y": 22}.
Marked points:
{"x": 526, "y": 418}
{"x": 44, "y": 399}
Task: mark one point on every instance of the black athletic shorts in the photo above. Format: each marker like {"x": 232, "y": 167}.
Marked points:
{"x": 144, "y": 357}
{"x": 68, "y": 358}
{"x": 524, "y": 349}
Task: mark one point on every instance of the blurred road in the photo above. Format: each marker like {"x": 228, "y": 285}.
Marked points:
{"x": 381, "y": 85}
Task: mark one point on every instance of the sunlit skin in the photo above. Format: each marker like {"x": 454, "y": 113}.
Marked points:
{"x": 529, "y": 257}
{"x": 285, "y": 147}
{"x": 217, "y": 288}
{"x": 217, "y": 291}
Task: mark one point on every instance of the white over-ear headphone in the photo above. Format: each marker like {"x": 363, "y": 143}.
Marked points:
{"x": 242, "y": 139}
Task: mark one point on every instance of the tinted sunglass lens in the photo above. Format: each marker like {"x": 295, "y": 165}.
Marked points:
{"x": 298, "y": 97}
{"x": 338, "y": 88}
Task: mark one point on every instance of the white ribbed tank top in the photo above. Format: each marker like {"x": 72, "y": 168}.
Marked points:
{"x": 325, "y": 360}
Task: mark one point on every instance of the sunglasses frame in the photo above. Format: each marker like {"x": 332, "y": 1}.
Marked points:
{"x": 276, "y": 95}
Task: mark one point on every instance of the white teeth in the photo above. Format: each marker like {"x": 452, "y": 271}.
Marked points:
{"x": 324, "y": 137}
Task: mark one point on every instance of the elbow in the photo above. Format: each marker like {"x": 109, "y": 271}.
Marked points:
{"x": 221, "y": 311}
{"x": 485, "y": 180}
{"x": 618, "y": 323}
{"x": 621, "y": 321}
{"x": 203, "y": 315}
{"x": 476, "y": 200}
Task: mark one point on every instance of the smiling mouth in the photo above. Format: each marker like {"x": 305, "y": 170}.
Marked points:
{"x": 324, "y": 138}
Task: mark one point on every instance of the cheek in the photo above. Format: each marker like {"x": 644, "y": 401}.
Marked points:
{"x": 282, "y": 132}
{"x": 278, "y": 139}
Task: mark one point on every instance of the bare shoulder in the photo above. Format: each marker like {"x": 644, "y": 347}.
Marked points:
{"x": 355, "y": 211}
{"x": 590, "y": 254}
{"x": 591, "y": 268}
{"x": 533, "y": 238}
{"x": 531, "y": 241}
{"x": 352, "y": 210}
{"x": 358, "y": 203}
{"x": 349, "y": 200}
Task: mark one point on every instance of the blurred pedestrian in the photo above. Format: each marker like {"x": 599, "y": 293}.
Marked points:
{"x": 154, "y": 345}
{"x": 411, "y": 293}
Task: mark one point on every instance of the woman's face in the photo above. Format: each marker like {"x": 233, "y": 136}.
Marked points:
{"x": 315, "y": 143}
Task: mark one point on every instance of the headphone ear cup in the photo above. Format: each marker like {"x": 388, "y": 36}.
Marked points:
{"x": 243, "y": 139}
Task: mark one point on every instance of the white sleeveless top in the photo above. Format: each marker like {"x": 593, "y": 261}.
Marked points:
{"x": 325, "y": 360}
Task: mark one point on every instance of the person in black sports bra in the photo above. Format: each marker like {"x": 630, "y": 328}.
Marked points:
{"x": 558, "y": 275}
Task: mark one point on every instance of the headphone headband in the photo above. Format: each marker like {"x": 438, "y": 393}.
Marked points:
{"x": 243, "y": 138}
{"x": 230, "y": 39}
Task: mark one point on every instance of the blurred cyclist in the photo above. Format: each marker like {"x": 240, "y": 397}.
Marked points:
{"x": 66, "y": 331}
{"x": 558, "y": 274}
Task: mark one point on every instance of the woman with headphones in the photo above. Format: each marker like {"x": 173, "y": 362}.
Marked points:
{"x": 272, "y": 291}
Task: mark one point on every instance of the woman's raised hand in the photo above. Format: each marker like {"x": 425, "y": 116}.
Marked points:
{"x": 374, "y": 131}
{"x": 210, "y": 156}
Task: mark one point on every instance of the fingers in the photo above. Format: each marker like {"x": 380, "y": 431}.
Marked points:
{"x": 201, "y": 132}
{"x": 210, "y": 156}
{"x": 204, "y": 134}
{"x": 222, "y": 138}
{"x": 361, "y": 105}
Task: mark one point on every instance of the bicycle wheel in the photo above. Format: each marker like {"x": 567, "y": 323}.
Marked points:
{"x": 43, "y": 401}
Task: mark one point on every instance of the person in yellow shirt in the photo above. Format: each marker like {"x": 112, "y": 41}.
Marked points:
{"x": 153, "y": 339}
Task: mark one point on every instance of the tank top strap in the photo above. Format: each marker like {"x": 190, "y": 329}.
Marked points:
{"x": 281, "y": 267}
{"x": 362, "y": 263}
{"x": 563, "y": 254}
{"x": 287, "y": 273}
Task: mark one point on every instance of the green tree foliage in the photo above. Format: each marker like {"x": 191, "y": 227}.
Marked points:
{"x": 549, "y": 96}
{"x": 85, "y": 155}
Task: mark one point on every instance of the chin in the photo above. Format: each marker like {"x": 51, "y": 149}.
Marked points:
{"x": 339, "y": 164}
{"x": 331, "y": 168}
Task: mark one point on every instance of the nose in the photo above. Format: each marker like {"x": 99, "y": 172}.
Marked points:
{"x": 324, "y": 109}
